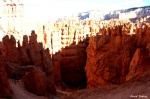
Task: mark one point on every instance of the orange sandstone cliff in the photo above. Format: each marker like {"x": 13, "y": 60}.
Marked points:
{"x": 115, "y": 59}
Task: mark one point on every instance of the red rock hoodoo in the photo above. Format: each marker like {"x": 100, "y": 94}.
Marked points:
{"x": 22, "y": 59}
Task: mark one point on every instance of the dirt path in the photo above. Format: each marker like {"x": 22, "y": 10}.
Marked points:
{"x": 20, "y": 93}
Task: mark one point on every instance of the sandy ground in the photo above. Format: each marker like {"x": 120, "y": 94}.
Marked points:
{"x": 19, "y": 91}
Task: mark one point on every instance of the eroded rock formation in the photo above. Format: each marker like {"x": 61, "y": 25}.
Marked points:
{"x": 12, "y": 53}
{"x": 30, "y": 57}
{"x": 115, "y": 59}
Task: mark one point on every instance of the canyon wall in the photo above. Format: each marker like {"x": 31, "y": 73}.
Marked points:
{"x": 117, "y": 57}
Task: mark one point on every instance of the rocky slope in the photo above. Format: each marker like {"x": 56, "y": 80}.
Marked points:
{"x": 19, "y": 92}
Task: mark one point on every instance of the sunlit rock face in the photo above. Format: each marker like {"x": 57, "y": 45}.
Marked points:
{"x": 117, "y": 58}
{"x": 108, "y": 60}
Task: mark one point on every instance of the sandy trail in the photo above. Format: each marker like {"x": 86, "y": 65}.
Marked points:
{"x": 19, "y": 91}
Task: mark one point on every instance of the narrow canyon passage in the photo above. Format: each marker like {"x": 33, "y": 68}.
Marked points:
{"x": 73, "y": 62}
{"x": 69, "y": 65}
